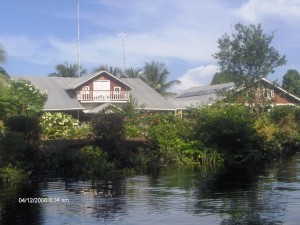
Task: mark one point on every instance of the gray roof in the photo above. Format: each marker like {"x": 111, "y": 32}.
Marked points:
{"x": 100, "y": 108}
{"x": 58, "y": 98}
{"x": 200, "y": 95}
{"x": 146, "y": 96}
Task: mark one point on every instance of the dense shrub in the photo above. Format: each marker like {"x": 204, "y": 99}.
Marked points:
{"x": 225, "y": 126}
{"x": 95, "y": 161}
{"x": 287, "y": 119}
{"x": 13, "y": 148}
{"x": 26, "y": 125}
{"x": 234, "y": 130}
{"x": 63, "y": 126}
{"x": 108, "y": 126}
{"x": 24, "y": 98}
{"x": 18, "y": 146}
{"x": 2, "y": 128}
{"x": 173, "y": 138}
{"x": 12, "y": 174}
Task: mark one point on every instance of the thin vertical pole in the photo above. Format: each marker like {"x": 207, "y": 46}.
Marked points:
{"x": 122, "y": 35}
{"x": 78, "y": 38}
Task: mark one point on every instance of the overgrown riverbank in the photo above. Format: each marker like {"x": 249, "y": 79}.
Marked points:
{"x": 216, "y": 134}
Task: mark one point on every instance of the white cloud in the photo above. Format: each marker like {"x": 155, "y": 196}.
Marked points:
{"x": 201, "y": 75}
{"x": 256, "y": 10}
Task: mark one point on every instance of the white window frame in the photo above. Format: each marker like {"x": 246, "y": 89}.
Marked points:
{"x": 117, "y": 90}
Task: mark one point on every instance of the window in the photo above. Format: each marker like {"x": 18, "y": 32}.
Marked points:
{"x": 117, "y": 90}
{"x": 268, "y": 93}
{"x": 85, "y": 88}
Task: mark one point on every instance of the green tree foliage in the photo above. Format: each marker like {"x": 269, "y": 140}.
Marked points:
{"x": 116, "y": 71}
{"x": 108, "y": 126}
{"x": 155, "y": 75}
{"x": 67, "y": 70}
{"x": 109, "y": 130}
{"x": 221, "y": 78}
{"x": 63, "y": 126}
{"x": 291, "y": 82}
{"x": 21, "y": 140}
{"x": 229, "y": 128}
{"x": 287, "y": 119}
{"x": 247, "y": 54}
{"x": 28, "y": 126}
{"x": 24, "y": 98}
{"x": 3, "y": 72}
{"x": 2, "y": 54}
{"x": 20, "y": 98}
{"x": 4, "y": 96}
{"x": 132, "y": 73}
{"x": 173, "y": 138}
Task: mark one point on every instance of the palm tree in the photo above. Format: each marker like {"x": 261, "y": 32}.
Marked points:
{"x": 116, "y": 71}
{"x": 67, "y": 70}
{"x": 2, "y": 54}
{"x": 155, "y": 75}
{"x": 132, "y": 73}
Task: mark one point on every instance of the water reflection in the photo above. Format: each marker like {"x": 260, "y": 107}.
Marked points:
{"x": 210, "y": 195}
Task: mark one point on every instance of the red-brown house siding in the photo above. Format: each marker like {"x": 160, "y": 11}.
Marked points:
{"x": 284, "y": 99}
{"x": 278, "y": 98}
{"x": 113, "y": 83}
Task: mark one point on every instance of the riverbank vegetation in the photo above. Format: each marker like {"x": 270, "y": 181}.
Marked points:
{"x": 217, "y": 134}
{"x": 113, "y": 142}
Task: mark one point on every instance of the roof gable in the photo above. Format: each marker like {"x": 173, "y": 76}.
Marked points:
{"x": 280, "y": 89}
{"x": 82, "y": 80}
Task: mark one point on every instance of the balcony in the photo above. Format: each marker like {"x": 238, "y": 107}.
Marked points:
{"x": 102, "y": 96}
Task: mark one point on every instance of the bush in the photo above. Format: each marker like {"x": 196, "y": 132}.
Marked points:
{"x": 287, "y": 119}
{"x": 95, "y": 161}
{"x": 63, "y": 126}
{"x": 109, "y": 126}
{"x": 2, "y": 128}
{"x": 26, "y": 125}
{"x": 265, "y": 127}
{"x": 228, "y": 127}
{"x": 13, "y": 148}
{"x": 24, "y": 98}
{"x": 173, "y": 138}
{"x": 11, "y": 174}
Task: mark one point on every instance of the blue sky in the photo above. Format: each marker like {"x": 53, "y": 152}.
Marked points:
{"x": 37, "y": 35}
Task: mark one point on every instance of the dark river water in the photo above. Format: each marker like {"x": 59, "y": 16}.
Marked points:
{"x": 211, "y": 195}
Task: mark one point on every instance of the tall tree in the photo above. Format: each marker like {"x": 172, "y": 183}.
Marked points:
{"x": 291, "y": 82}
{"x": 221, "y": 78}
{"x": 116, "y": 71}
{"x": 67, "y": 70}
{"x": 247, "y": 54}
{"x": 132, "y": 73}
{"x": 155, "y": 75}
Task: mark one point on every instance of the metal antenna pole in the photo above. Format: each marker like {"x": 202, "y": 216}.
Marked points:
{"x": 78, "y": 38}
{"x": 122, "y": 35}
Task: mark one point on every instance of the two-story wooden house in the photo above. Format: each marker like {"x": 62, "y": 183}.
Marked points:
{"x": 96, "y": 92}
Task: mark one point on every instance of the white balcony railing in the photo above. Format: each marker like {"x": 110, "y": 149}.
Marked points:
{"x": 102, "y": 96}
